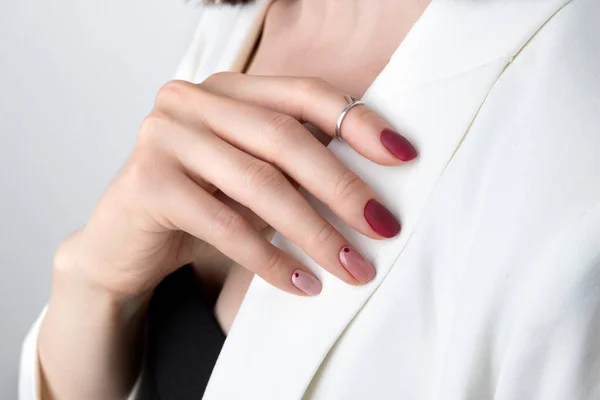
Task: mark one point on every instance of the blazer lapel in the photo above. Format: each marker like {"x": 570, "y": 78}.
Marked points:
{"x": 431, "y": 90}
{"x": 223, "y": 41}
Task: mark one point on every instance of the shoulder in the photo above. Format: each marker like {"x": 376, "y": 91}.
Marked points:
{"x": 552, "y": 87}
{"x": 569, "y": 45}
{"x": 538, "y": 131}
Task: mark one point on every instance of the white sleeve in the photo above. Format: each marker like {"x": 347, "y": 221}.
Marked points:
{"x": 29, "y": 370}
{"x": 29, "y": 387}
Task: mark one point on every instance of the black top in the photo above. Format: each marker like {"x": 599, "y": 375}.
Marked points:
{"x": 183, "y": 339}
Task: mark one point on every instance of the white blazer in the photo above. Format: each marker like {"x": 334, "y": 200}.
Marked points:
{"x": 492, "y": 290}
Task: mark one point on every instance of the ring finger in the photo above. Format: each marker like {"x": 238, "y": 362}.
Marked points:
{"x": 282, "y": 140}
{"x": 261, "y": 187}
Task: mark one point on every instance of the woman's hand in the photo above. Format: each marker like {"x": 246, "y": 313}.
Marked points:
{"x": 215, "y": 160}
{"x": 214, "y": 164}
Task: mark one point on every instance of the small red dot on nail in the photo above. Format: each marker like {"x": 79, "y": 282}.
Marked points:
{"x": 346, "y": 250}
{"x": 296, "y": 275}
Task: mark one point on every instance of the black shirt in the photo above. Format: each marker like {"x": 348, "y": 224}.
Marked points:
{"x": 183, "y": 339}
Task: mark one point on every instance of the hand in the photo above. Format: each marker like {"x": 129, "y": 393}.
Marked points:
{"x": 214, "y": 163}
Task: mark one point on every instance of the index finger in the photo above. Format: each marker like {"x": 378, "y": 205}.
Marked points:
{"x": 315, "y": 101}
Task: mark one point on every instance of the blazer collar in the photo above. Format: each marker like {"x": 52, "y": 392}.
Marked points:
{"x": 432, "y": 90}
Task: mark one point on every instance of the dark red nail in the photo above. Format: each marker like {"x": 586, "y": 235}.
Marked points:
{"x": 398, "y": 145}
{"x": 381, "y": 219}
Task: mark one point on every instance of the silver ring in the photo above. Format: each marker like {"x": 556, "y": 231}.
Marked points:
{"x": 352, "y": 102}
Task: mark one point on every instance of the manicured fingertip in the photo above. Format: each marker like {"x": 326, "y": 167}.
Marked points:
{"x": 306, "y": 283}
{"x": 356, "y": 264}
{"x": 398, "y": 145}
{"x": 381, "y": 219}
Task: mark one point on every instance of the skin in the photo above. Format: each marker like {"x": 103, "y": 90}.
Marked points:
{"x": 213, "y": 173}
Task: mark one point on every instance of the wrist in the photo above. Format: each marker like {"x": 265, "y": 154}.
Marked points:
{"x": 72, "y": 280}
{"x": 91, "y": 339}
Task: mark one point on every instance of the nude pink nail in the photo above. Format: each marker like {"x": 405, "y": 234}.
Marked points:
{"x": 306, "y": 282}
{"x": 356, "y": 264}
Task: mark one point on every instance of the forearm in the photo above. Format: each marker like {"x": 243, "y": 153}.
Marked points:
{"x": 90, "y": 341}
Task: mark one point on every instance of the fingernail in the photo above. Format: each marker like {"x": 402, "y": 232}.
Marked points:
{"x": 381, "y": 219}
{"x": 398, "y": 145}
{"x": 356, "y": 264}
{"x": 306, "y": 282}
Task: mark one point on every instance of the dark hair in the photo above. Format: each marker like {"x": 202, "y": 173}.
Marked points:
{"x": 228, "y": 1}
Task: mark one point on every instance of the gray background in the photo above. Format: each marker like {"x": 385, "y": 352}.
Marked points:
{"x": 76, "y": 79}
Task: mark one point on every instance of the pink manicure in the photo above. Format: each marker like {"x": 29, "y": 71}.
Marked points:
{"x": 306, "y": 282}
{"x": 356, "y": 264}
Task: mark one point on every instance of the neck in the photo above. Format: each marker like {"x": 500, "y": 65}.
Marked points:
{"x": 307, "y": 37}
{"x": 353, "y": 21}
{"x": 358, "y": 12}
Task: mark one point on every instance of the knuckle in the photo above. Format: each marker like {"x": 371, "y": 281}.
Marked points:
{"x": 313, "y": 87}
{"x": 280, "y": 128}
{"x": 225, "y": 222}
{"x": 348, "y": 184}
{"x": 143, "y": 174}
{"x": 323, "y": 234}
{"x": 159, "y": 116}
{"x": 63, "y": 256}
{"x": 217, "y": 78}
{"x": 363, "y": 115}
{"x": 312, "y": 91}
{"x": 153, "y": 125}
{"x": 173, "y": 92}
{"x": 259, "y": 174}
{"x": 274, "y": 261}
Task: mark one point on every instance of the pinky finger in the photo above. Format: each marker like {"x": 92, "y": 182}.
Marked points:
{"x": 194, "y": 211}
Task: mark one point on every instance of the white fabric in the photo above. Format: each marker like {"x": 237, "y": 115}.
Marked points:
{"x": 29, "y": 386}
{"x": 492, "y": 290}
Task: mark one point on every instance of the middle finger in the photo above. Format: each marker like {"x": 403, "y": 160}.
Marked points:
{"x": 265, "y": 190}
{"x": 282, "y": 140}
